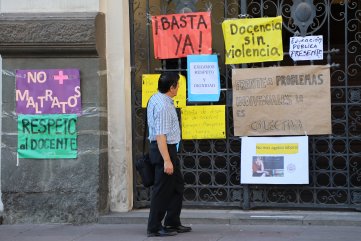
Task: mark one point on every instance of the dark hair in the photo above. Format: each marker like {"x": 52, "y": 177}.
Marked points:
{"x": 167, "y": 80}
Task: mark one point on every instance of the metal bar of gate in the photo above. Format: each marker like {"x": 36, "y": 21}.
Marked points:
{"x": 243, "y": 10}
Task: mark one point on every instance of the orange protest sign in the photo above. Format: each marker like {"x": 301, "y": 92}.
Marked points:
{"x": 179, "y": 35}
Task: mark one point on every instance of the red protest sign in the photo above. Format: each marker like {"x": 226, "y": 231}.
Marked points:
{"x": 179, "y": 35}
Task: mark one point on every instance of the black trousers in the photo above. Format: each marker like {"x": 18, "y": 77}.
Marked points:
{"x": 167, "y": 194}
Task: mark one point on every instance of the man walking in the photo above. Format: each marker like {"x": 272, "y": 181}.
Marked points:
{"x": 164, "y": 135}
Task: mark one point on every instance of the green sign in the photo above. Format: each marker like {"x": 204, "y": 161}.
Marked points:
{"x": 47, "y": 136}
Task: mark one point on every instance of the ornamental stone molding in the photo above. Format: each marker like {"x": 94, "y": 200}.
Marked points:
{"x": 62, "y": 34}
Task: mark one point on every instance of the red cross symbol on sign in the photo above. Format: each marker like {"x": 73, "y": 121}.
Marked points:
{"x": 61, "y": 77}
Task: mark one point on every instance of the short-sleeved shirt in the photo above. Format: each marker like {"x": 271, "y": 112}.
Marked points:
{"x": 162, "y": 118}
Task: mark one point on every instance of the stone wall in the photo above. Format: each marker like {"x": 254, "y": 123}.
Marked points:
{"x": 56, "y": 190}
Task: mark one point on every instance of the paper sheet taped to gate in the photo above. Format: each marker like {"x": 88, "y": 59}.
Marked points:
{"x": 292, "y": 100}
{"x": 203, "y": 122}
{"x": 253, "y": 40}
{"x": 179, "y": 35}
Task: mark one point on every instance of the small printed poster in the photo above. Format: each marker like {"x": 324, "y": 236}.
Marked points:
{"x": 203, "y": 78}
{"x": 306, "y": 48}
{"x": 274, "y": 160}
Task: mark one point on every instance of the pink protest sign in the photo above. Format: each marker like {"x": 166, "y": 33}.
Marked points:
{"x": 48, "y": 91}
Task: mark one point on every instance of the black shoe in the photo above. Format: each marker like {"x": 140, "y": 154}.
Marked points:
{"x": 162, "y": 233}
{"x": 179, "y": 229}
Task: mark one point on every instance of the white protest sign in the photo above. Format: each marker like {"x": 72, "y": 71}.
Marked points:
{"x": 274, "y": 160}
{"x": 306, "y": 48}
{"x": 203, "y": 78}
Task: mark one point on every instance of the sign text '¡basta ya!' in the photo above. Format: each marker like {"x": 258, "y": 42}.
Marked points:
{"x": 183, "y": 34}
{"x": 185, "y": 21}
{"x": 38, "y": 102}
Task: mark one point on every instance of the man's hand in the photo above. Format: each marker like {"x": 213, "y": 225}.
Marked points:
{"x": 168, "y": 167}
{"x": 163, "y": 149}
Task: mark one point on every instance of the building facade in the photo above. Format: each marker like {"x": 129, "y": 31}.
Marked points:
{"x": 211, "y": 168}
{"x": 110, "y": 42}
{"x": 60, "y": 35}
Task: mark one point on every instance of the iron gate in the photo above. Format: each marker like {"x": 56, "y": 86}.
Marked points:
{"x": 211, "y": 168}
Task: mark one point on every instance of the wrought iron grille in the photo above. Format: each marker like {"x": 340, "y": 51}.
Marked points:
{"x": 211, "y": 168}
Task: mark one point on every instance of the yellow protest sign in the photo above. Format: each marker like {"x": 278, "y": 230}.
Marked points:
{"x": 253, "y": 40}
{"x": 203, "y": 122}
{"x": 150, "y": 87}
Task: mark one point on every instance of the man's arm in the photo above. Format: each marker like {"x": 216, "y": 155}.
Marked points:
{"x": 163, "y": 148}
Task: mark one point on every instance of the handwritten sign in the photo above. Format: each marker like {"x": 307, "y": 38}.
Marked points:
{"x": 47, "y": 136}
{"x": 274, "y": 160}
{"x": 292, "y": 100}
{"x": 253, "y": 40}
{"x": 179, "y": 35}
{"x": 48, "y": 91}
{"x": 150, "y": 87}
{"x": 203, "y": 78}
{"x": 306, "y": 48}
{"x": 203, "y": 122}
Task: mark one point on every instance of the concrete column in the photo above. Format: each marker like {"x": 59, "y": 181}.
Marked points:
{"x": 37, "y": 6}
{"x": 56, "y": 190}
{"x": 119, "y": 106}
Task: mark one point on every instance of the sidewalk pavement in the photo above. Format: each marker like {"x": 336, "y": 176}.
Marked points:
{"x": 200, "y": 232}
{"x": 239, "y": 217}
{"x": 207, "y": 225}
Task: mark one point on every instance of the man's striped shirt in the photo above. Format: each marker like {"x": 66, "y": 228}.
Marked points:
{"x": 162, "y": 118}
